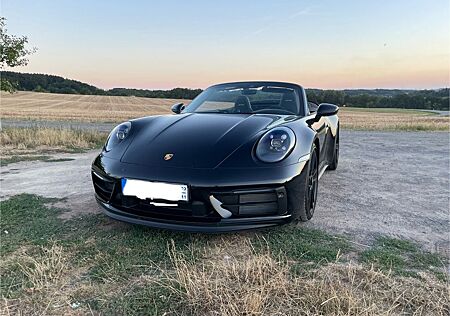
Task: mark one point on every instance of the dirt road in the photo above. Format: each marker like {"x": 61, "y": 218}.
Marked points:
{"x": 391, "y": 183}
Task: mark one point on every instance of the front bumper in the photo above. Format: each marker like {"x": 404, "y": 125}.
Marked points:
{"x": 251, "y": 203}
{"x": 224, "y": 225}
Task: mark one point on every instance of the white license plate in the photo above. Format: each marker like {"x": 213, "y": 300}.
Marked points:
{"x": 155, "y": 190}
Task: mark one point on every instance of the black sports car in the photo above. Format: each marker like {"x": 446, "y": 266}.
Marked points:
{"x": 241, "y": 155}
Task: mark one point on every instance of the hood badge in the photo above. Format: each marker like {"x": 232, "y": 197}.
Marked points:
{"x": 168, "y": 156}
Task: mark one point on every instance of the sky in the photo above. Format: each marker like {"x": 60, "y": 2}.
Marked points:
{"x": 325, "y": 44}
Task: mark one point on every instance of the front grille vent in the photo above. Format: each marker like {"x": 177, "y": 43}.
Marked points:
{"x": 102, "y": 186}
{"x": 254, "y": 202}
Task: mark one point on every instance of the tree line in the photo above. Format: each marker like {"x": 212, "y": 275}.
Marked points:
{"x": 57, "y": 84}
{"x": 386, "y": 98}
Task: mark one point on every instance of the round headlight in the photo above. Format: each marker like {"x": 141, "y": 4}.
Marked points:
{"x": 276, "y": 144}
{"x": 118, "y": 134}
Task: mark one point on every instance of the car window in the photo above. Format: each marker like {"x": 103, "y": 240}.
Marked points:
{"x": 248, "y": 100}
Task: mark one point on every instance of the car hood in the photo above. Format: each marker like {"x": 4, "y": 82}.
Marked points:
{"x": 196, "y": 140}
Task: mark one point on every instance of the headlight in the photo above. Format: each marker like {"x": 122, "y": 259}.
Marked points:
{"x": 275, "y": 145}
{"x": 118, "y": 134}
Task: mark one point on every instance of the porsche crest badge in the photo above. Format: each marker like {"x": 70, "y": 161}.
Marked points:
{"x": 168, "y": 156}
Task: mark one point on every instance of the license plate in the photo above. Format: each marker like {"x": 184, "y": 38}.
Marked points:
{"x": 155, "y": 190}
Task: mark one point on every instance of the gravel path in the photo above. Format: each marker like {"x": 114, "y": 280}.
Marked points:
{"x": 390, "y": 183}
{"x": 393, "y": 183}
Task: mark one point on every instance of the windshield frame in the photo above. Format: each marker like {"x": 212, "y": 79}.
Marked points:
{"x": 199, "y": 100}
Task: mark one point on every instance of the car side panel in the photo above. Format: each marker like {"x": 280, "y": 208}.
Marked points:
{"x": 332, "y": 122}
{"x": 326, "y": 129}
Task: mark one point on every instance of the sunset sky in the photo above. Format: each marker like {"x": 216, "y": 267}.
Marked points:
{"x": 166, "y": 44}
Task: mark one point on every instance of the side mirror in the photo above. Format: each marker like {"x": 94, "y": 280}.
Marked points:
{"x": 326, "y": 109}
{"x": 177, "y": 108}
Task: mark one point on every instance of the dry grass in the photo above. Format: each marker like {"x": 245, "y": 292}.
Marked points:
{"x": 25, "y": 138}
{"x": 45, "y": 269}
{"x": 228, "y": 280}
{"x": 18, "y": 144}
{"x": 47, "y": 106}
{"x": 263, "y": 285}
{"x": 44, "y": 276}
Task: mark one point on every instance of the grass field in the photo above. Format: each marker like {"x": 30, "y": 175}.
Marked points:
{"x": 93, "y": 265}
{"x": 47, "y": 106}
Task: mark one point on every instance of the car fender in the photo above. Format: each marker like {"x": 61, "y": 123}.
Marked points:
{"x": 306, "y": 136}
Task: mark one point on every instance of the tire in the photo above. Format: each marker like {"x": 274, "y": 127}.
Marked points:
{"x": 302, "y": 195}
{"x": 335, "y": 161}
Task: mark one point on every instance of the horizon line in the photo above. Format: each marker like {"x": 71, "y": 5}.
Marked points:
{"x": 180, "y": 87}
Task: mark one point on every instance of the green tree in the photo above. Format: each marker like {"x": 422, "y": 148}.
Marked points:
{"x": 13, "y": 53}
{"x": 6, "y": 85}
{"x": 39, "y": 89}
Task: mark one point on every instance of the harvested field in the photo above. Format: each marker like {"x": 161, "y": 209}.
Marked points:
{"x": 392, "y": 119}
{"x": 89, "y": 108}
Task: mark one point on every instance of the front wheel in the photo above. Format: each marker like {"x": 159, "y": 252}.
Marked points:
{"x": 303, "y": 196}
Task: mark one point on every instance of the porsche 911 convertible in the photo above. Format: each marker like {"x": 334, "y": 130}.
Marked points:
{"x": 241, "y": 155}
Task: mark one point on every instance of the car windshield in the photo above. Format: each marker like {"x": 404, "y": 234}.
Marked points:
{"x": 265, "y": 99}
